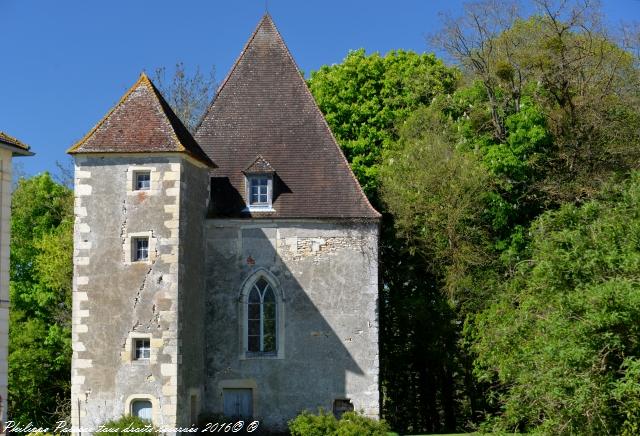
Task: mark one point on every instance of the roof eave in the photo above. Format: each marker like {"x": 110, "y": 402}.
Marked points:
{"x": 15, "y": 150}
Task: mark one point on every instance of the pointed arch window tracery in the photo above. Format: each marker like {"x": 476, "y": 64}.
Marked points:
{"x": 262, "y": 318}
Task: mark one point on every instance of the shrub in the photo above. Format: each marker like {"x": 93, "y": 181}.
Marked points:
{"x": 125, "y": 423}
{"x": 325, "y": 424}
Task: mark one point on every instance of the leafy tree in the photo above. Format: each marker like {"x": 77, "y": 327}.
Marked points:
{"x": 576, "y": 74}
{"x": 437, "y": 197}
{"x": 40, "y": 291}
{"x": 366, "y": 96}
{"x": 561, "y": 339}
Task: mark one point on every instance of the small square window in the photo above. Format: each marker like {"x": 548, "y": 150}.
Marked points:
{"x": 140, "y": 249}
{"x": 142, "y": 349}
{"x": 142, "y": 180}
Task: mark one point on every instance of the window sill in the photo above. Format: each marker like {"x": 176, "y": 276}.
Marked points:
{"x": 247, "y": 355}
{"x": 258, "y": 209}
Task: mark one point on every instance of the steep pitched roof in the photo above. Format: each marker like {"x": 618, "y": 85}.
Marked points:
{"x": 18, "y": 147}
{"x": 141, "y": 122}
{"x": 265, "y": 108}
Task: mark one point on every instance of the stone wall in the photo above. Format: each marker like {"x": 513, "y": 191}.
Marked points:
{"x": 327, "y": 279}
{"x": 115, "y": 298}
{"x": 193, "y": 210}
{"x": 5, "y": 226}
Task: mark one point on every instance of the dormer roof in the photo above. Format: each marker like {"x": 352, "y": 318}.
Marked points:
{"x": 259, "y": 166}
{"x": 141, "y": 122}
{"x": 264, "y": 108}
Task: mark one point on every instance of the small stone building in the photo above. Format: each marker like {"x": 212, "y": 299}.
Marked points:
{"x": 234, "y": 272}
{"x": 9, "y": 148}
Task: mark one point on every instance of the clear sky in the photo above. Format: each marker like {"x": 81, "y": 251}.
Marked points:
{"x": 65, "y": 63}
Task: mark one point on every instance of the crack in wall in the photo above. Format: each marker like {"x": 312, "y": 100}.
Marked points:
{"x": 123, "y": 226}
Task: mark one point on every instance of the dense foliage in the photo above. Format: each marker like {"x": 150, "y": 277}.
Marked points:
{"x": 326, "y": 424}
{"x": 545, "y": 117}
{"x": 40, "y": 292}
{"x": 366, "y": 96}
{"x": 564, "y": 334}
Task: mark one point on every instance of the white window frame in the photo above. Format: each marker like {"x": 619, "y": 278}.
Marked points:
{"x": 144, "y": 349}
{"x": 155, "y": 185}
{"x": 136, "y": 250}
{"x": 136, "y": 180}
{"x": 259, "y": 207}
{"x": 129, "y": 248}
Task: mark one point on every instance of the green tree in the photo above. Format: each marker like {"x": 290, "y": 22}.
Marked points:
{"x": 583, "y": 81}
{"x": 40, "y": 291}
{"x": 365, "y": 97}
{"x": 560, "y": 343}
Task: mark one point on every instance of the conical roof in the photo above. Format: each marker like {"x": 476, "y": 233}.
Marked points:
{"x": 264, "y": 108}
{"x": 141, "y": 122}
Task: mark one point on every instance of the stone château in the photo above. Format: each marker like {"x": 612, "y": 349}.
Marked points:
{"x": 231, "y": 272}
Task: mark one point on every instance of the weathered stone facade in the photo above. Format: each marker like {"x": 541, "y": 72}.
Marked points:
{"x": 325, "y": 274}
{"x": 256, "y": 291}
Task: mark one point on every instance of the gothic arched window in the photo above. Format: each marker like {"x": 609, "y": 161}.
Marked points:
{"x": 261, "y": 318}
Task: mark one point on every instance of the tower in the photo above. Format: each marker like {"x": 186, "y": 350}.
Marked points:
{"x": 141, "y": 187}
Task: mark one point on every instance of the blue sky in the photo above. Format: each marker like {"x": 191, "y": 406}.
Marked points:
{"x": 65, "y": 63}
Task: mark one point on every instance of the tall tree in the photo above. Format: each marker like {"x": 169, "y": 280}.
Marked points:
{"x": 562, "y": 339}
{"x": 365, "y": 97}
{"x": 576, "y": 73}
{"x": 40, "y": 292}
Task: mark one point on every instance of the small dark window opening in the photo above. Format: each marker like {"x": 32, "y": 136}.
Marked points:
{"x": 143, "y": 180}
{"x": 140, "y": 249}
{"x": 340, "y": 406}
{"x": 142, "y": 349}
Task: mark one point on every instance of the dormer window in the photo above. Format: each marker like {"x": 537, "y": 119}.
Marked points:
{"x": 260, "y": 188}
{"x": 259, "y": 182}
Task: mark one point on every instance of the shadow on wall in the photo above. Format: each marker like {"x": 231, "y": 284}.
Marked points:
{"x": 322, "y": 310}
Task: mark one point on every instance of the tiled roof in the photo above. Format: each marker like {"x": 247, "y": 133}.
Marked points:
{"x": 141, "y": 122}
{"x": 264, "y": 108}
{"x": 259, "y": 166}
{"x": 21, "y": 147}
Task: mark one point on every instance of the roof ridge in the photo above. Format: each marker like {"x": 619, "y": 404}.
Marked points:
{"x": 235, "y": 64}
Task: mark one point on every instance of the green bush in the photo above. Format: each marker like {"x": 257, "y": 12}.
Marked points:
{"x": 325, "y": 424}
{"x": 125, "y": 423}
